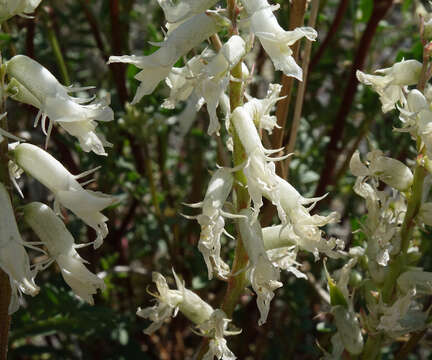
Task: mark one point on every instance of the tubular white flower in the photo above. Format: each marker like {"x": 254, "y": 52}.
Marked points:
{"x": 67, "y": 190}
{"x": 33, "y": 84}
{"x": 184, "y": 9}
{"x": 61, "y": 246}
{"x": 274, "y": 39}
{"x": 9, "y": 8}
{"x": 280, "y": 237}
{"x": 262, "y": 274}
{"x": 391, "y": 171}
{"x": 212, "y": 221}
{"x": 390, "y": 85}
{"x": 171, "y": 301}
{"x": 179, "y": 42}
{"x": 14, "y": 260}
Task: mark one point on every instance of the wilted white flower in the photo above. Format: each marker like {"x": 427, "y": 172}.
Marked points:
{"x": 179, "y": 42}
{"x": 9, "y": 8}
{"x": 184, "y": 9}
{"x": 169, "y": 302}
{"x": 403, "y": 316}
{"x": 216, "y": 328}
{"x": 260, "y": 108}
{"x": 416, "y": 278}
{"x": 274, "y": 39}
{"x": 14, "y": 260}
{"x": 33, "y": 84}
{"x": 85, "y": 204}
{"x": 61, "y": 247}
{"x": 262, "y": 274}
{"x": 208, "y": 81}
{"x": 391, "y": 171}
{"x": 390, "y": 85}
{"x": 212, "y": 221}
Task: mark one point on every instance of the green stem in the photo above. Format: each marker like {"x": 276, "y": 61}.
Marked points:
{"x": 399, "y": 260}
{"x": 372, "y": 347}
{"x": 52, "y": 37}
{"x": 5, "y": 290}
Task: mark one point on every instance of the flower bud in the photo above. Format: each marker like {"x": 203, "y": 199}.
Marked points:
{"x": 349, "y": 328}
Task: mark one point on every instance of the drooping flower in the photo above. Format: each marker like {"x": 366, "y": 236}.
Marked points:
{"x": 61, "y": 247}
{"x": 178, "y": 42}
{"x": 274, "y": 39}
{"x": 85, "y": 204}
{"x": 391, "y": 84}
{"x": 213, "y": 223}
{"x": 262, "y": 273}
{"x": 33, "y": 84}
{"x": 391, "y": 171}
{"x": 208, "y": 81}
{"x": 14, "y": 260}
{"x": 9, "y": 8}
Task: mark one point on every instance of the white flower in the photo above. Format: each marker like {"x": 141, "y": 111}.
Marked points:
{"x": 260, "y": 108}
{"x": 285, "y": 258}
{"x": 416, "y": 278}
{"x": 417, "y": 118}
{"x": 184, "y": 9}
{"x": 212, "y": 221}
{"x": 14, "y": 260}
{"x": 179, "y": 42}
{"x": 390, "y": 86}
{"x": 391, "y": 171}
{"x": 33, "y": 84}
{"x": 9, "y": 8}
{"x": 67, "y": 190}
{"x": 171, "y": 301}
{"x": 262, "y": 274}
{"x": 61, "y": 247}
{"x": 279, "y": 237}
{"x": 274, "y": 39}
{"x": 216, "y": 328}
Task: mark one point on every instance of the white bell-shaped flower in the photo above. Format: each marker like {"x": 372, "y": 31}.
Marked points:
{"x": 390, "y": 85}
{"x": 178, "y": 42}
{"x": 274, "y": 39}
{"x": 262, "y": 273}
{"x": 14, "y": 260}
{"x": 391, "y": 171}
{"x": 184, "y": 9}
{"x": 61, "y": 247}
{"x": 9, "y": 8}
{"x": 169, "y": 302}
{"x": 67, "y": 190}
{"x": 33, "y": 84}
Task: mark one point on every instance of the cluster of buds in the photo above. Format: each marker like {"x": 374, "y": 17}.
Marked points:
{"x": 30, "y": 83}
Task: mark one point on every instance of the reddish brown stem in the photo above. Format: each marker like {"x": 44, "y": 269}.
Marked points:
{"x": 118, "y": 70}
{"x": 343, "y": 5}
{"x": 333, "y": 151}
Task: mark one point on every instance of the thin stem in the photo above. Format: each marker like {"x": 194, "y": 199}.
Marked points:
{"x": 52, "y": 37}
{"x": 297, "y": 12}
{"x": 301, "y": 92}
{"x": 5, "y": 290}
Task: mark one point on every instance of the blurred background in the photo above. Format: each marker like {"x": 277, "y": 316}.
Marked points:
{"x": 159, "y": 162}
